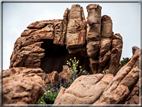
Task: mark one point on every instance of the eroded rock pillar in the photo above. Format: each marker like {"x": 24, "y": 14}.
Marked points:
{"x": 93, "y": 34}
{"x": 75, "y": 37}
{"x": 105, "y": 43}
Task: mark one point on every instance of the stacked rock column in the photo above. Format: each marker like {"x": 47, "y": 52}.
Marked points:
{"x": 116, "y": 52}
{"x": 93, "y": 34}
{"x": 65, "y": 22}
{"x": 58, "y": 30}
{"x": 105, "y": 44}
{"x": 76, "y": 28}
{"x": 103, "y": 47}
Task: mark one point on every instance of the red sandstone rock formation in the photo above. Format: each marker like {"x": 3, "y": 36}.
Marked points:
{"x": 22, "y": 85}
{"x": 103, "y": 48}
{"x": 56, "y": 41}
{"x": 84, "y": 88}
{"x": 105, "y": 89}
{"x": 119, "y": 88}
{"x": 45, "y": 46}
{"x": 76, "y": 32}
{"x": 134, "y": 97}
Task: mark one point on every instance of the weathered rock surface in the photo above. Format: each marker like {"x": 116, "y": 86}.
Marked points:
{"x": 22, "y": 85}
{"x": 103, "y": 47}
{"x": 76, "y": 32}
{"x": 93, "y": 30}
{"x": 116, "y": 51}
{"x": 53, "y": 77}
{"x": 94, "y": 14}
{"x": 105, "y": 44}
{"x": 122, "y": 84}
{"x": 23, "y": 45}
{"x": 84, "y": 88}
{"x": 44, "y": 47}
{"x": 58, "y": 40}
{"x": 123, "y": 88}
{"x": 134, "y": 97}
{"x": 28, "y": 56}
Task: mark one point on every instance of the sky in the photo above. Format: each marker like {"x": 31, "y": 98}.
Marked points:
{"x": 17, "y": 16}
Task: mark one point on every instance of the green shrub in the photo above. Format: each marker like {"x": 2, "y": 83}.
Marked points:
{"x": 73, "y": 67}
{"x": 105, "y": 72}
{"x": 124, "y": 61}
{"x": 52, "y": 90}
{"x": 48, "y": 98}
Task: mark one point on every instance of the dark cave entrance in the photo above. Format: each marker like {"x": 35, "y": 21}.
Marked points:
{"x": 56, "y": 56}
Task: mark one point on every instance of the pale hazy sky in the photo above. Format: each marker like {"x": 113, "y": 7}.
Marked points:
{"x": 17, "y": 16}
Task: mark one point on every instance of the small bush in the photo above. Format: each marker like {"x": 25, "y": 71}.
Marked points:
{"x": 124, "y": 61}
{"x": 48, "y": 98}
{"x": 75, "y": 70}
{"x": 52, "y": 90}
{"x": 105, "y": 72}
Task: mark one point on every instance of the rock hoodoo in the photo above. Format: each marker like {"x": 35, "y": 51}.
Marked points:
{"x": 44, "y": 47}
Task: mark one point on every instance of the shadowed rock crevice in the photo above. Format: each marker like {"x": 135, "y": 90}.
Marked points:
{"x": 56, "y": 56}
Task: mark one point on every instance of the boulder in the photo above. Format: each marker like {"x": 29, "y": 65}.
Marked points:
{"x": 65, "y": 75}
{"x": 84, "y": 88}
{"x": 134, "y": 48}
{"x": 22, "y": 85}
{"x": 106, "y": 26}
{"x": 54, "y": 77}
